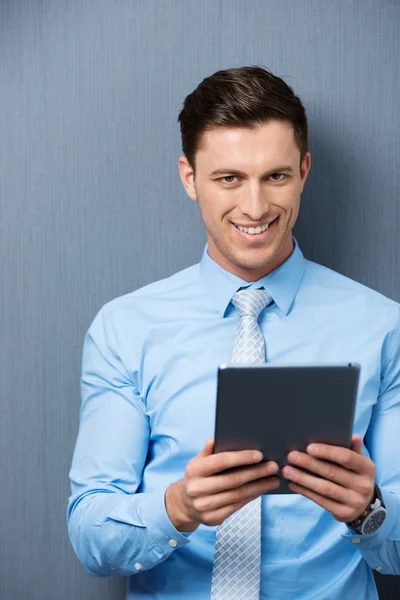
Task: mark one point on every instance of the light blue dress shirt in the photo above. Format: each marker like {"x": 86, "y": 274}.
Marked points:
{"x": 148, "y": 389}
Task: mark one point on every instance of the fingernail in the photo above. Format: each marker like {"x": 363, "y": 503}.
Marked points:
{"x": 257, "y": 455}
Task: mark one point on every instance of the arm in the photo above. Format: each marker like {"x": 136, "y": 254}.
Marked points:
{"x": 347, "y": 475}
{"x": 113, "y": 529}
{"x": 382, "y": 548}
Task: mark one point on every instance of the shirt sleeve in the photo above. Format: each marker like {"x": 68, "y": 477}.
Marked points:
{"x": 381, "y": 549}
{"x": 113, "y": 529}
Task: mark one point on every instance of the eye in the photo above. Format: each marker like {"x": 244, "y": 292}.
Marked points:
{"x": 279, "y": 175}
{"x": 275, "y": 177}
{"x": 227, "y": 177}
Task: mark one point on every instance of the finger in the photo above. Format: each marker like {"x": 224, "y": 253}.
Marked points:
{"x": 340, "y": 511}
{"x": 202, "y": 486}
{"x": 218, "y": 516}
{"x": 345, "y": 457}
{"x": 210, "y": 503}
{"x": 328, "y": 470}
{"x": 322, "y": 486}
{"x": 209, "y": 465}
{"x": 208, "y": 448}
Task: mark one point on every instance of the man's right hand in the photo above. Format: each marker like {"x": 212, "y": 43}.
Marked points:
{"x": 205, "y": 495}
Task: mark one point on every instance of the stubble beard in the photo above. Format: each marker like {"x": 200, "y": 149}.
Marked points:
{"x": 250, "y": 259}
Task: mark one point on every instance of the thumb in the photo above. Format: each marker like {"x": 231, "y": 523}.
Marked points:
{"x": 357, "y": 443}
{"x": 208, "y": 448}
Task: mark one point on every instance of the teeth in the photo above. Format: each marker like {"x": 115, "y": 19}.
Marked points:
{"x": 252, "y": 230}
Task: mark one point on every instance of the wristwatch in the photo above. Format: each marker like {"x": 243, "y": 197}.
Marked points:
{"x": 372, "y": 518}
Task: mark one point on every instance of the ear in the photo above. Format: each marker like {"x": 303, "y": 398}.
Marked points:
{"x": 305, "y": 169}
{"x": 187, "y": 177}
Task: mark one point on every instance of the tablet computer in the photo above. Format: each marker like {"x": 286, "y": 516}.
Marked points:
{"x": 275, "y": 408}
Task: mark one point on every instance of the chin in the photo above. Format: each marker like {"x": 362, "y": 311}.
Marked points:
{"x": 252, "y": 265}
{"x": 251, "y": 260}
{"x": 229, "y": 254}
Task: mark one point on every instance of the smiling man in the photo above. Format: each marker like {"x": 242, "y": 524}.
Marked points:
{"x": 149, "y": 499}
{"x": 248, "y": 212}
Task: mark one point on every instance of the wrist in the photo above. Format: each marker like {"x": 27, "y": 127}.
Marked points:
{"x": 177, "y": 511}
{"x": 355, "y": 522}
{"x": 372, "y": 517}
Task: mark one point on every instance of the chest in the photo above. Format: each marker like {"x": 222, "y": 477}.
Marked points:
{"x": 180, "y": 374}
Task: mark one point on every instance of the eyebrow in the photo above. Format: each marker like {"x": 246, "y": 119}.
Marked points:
{"x": 241, "y": 173}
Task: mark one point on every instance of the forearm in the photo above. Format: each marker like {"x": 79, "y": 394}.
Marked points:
{"x": 382, "y": 548}
{"x": 122, "y": 534}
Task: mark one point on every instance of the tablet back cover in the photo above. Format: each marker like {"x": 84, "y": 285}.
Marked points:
{"x": 278, "y": 408}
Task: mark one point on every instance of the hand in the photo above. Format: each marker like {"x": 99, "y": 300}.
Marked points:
{"x": 205, "y": 495}
{"x": 347, "y": 485}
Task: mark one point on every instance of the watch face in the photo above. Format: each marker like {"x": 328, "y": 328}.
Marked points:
{"x": 373, "y": 521}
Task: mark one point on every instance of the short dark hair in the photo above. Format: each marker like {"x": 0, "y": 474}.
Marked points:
{"x": 240, "y": 97}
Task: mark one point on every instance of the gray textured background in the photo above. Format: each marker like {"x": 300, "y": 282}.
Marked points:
{"x": 92, "y": 206}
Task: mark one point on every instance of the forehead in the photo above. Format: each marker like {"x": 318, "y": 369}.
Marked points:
{"x": 243, "y": 146}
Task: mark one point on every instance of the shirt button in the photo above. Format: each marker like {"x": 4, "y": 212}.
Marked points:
{"x": 380, "y": 568}
{"x": 356, "y": 540}
{"x": 137, "y": 566}
{"x": 173, "y": 543}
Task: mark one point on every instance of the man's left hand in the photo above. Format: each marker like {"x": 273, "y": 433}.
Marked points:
{"x": 348, "y": 478}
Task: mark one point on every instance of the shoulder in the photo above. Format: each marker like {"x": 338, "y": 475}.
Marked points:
{"x": 150, "y": 302}
{"x": 168, "y": 287}
{"x": 351, "y": 295}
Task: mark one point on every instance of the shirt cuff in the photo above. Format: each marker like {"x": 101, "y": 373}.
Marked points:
{"x": 391, "y": 502}
{"x": 159, "y": 526}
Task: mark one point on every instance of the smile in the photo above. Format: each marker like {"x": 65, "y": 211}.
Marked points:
{"x": 255, "y": 231}
{"x": 252, "y": 230}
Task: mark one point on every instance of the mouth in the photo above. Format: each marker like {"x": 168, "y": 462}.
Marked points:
{"x": 256, "y": 233}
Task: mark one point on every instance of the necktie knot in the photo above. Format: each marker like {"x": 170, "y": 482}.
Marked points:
{"x": 251, "y": 302}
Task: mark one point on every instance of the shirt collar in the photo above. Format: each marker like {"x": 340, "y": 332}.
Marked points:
{"x": 282, "y": 283}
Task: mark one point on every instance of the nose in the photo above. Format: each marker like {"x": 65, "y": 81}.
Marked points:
{"x": 253, "y": 204}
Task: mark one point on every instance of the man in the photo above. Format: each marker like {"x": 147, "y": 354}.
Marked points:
{"x": 149, "y": 498}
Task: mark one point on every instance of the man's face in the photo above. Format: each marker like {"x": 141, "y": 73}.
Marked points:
{"x": 259, "y": 179}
